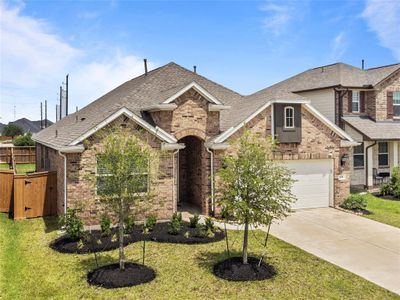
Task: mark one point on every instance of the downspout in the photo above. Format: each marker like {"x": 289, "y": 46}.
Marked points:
{"x": 176, "y": 180}
{"x": 366, "y": 163}
{"x": 212, "y": 180}
{"x": 65, "y": 180}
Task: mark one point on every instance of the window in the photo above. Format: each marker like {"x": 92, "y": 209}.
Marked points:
{"x": 355, "y": 102}
{"x": 396, "y": 104}
{"x": 289, "y": 117}
{"x": 383, "y": 154}
{"x": 358, "y": 156}
{"x": 102, "y": 172}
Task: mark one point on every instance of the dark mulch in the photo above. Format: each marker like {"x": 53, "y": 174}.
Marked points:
{"x": 233, "y": 269}
{"x": 361, "y": 211}
{"x": 387, "y": 197}
{"x": 96, "y": 242}
{"x": 160, "y": 234}
{"x": 111, "y": 277}
{"x": 93, "y": 242}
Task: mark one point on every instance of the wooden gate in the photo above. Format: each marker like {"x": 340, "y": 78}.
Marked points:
{"x": 29, "y": 196}
{"x": 6, "y": 190}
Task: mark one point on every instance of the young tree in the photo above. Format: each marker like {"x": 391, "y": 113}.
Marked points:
{"x": 12, "y": 130}
{"x": 254, "y": 189}
{"x": 126, "y": 166}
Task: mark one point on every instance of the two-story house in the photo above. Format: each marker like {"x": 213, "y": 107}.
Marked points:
{"x": 363, "y": 102}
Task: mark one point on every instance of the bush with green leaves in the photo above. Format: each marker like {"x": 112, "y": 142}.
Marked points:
{"x": 150, "y": 223}
{"x": 355, "y": 202}
{"x": 194, "y": 220}
{"x": 386, "y": 189}
{"x": 72, "y": 223}
{"x": 24, "y": 140}
{"x": 209, "y": 223}
{"x": 175, "y": 224}
{"x": 201, "y": 231}
{"x": 129, "y": 224}
{"x": 12, "y": 130}
{"x": 105, "y": 224}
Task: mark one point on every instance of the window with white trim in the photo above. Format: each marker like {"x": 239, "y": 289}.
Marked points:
{"x": 289, "y": 117}
{"x": 141, "y": 177}
{"x": 358, "y": 156}
{"x": 396, "y": 104}
{"x": 355, "y": 102}
{"x": 383, "y": 154}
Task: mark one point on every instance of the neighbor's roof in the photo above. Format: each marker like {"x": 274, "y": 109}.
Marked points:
{"x": 385, "y": 130}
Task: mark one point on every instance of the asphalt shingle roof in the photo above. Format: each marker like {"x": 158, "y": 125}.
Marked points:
{"x": 385, "y": 130}
{"x": 162, "y": 83}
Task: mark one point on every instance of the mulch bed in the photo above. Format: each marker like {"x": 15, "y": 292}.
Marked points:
{"x": 233, "y": 269}
{"x": 361, "y": 211}
{"x": 387, "y": 197}
{"x": 110, "y": 276}
{"x": 96, "y": 242}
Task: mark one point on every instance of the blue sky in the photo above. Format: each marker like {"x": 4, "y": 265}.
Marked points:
{"x": 244, "y": 45}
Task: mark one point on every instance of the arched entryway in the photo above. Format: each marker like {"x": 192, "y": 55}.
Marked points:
{"x": 191, "y": 174}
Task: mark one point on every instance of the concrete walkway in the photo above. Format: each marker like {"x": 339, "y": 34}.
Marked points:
{"x": 367, "y": 248}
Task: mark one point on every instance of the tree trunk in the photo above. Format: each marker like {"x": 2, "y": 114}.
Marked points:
{"x": 245, "y": 242}
{"x": 121, "y": 236}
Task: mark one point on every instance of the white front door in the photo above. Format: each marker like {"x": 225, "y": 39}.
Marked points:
{"x": 313, "y": 186}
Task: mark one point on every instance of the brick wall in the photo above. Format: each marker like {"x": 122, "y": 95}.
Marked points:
{"x": 318, "y": 142}
{"x": 391, "y": 84}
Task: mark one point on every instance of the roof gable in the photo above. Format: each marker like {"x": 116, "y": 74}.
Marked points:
{"x": 198, "y": 88}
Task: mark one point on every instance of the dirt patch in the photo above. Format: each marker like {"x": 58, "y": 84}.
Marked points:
{"x": 233, "y": 269}
{"x": 96, "y": 242}
{"x": 110, "y": 276}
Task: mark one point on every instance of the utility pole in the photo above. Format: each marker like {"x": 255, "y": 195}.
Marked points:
{"x": 66, "y": 95}
{"x": 41, "y": 115}
{"x": 60, "y": 110}
{"x": 45, "y": 113}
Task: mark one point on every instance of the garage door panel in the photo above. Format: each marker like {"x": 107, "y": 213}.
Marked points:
{"x": 313, "y": 182}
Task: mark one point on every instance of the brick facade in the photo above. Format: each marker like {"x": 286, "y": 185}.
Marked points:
{"x": 192, "y": 123}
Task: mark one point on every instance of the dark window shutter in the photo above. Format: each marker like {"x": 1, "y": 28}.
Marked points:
{"x": 350, "y": 101}
{"x": 390, "y": 105}
{"x": 362, "y": 101}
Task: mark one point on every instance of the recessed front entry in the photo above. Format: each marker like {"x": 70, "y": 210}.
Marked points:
{"x": 191, "y": 173}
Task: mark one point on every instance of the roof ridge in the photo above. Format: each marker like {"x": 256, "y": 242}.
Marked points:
{"x": 384, "y": 66}
{"x": 205, "y": 78}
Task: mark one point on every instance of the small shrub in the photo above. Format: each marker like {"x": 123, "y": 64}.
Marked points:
{"x": 209, "y": 223}
{"x": 150, "y": 223}
{"x": 386, "y": 189}
{"x": 201, "y": 231}
{"x": 194, "y": 220}
{"x": 24, "y": 140}
{"x": 395, "y": 181}
{"x": 174, "y": 226}
{"x": 354, "y": 202}
{"x": 187, "y": 234}
{"x": 72, "y": 223}
{"x": 178, "y": 216}
{"x": 105, "y": 225}
{"x": 129, "y": 224}
{"x": 114, "y": 238}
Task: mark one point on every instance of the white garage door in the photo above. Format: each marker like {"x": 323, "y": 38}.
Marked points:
{"x": 313, "y": 187}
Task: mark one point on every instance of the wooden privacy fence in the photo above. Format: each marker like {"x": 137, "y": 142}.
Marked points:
{"x": 22, "y": 155}
{"x": 28, "y": 196}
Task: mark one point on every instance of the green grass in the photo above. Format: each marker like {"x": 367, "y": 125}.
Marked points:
{"x": 29, "y": 269}
{"x": 382, "y": 210}
{"x": 21, "y": 168}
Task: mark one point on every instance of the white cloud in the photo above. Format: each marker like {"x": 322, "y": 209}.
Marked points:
{"x": 35, "y": 59}
{"x": 383, "y": 18}
{"x": 281, "y": 14}
{"x": 339, "y": 46}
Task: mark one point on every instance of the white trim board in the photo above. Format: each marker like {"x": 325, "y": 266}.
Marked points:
{"x": 160, "y": 133}
{"x": 198, "y": 89}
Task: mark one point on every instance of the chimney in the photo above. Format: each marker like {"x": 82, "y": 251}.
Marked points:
{"x": 145, "y": 66}
{"x": 362, "y": 64}
{"x": 194, "y": 69}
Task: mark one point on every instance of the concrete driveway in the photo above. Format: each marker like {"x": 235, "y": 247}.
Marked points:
{"x": 367, "y": 248}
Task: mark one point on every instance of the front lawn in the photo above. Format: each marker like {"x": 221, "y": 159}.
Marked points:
{"x": 30, "y": 269}
{"x": 382, "y": 210}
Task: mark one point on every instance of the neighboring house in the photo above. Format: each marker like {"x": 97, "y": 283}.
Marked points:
{"x": 192, "y": 119}
{"x": 365, "y": 103}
